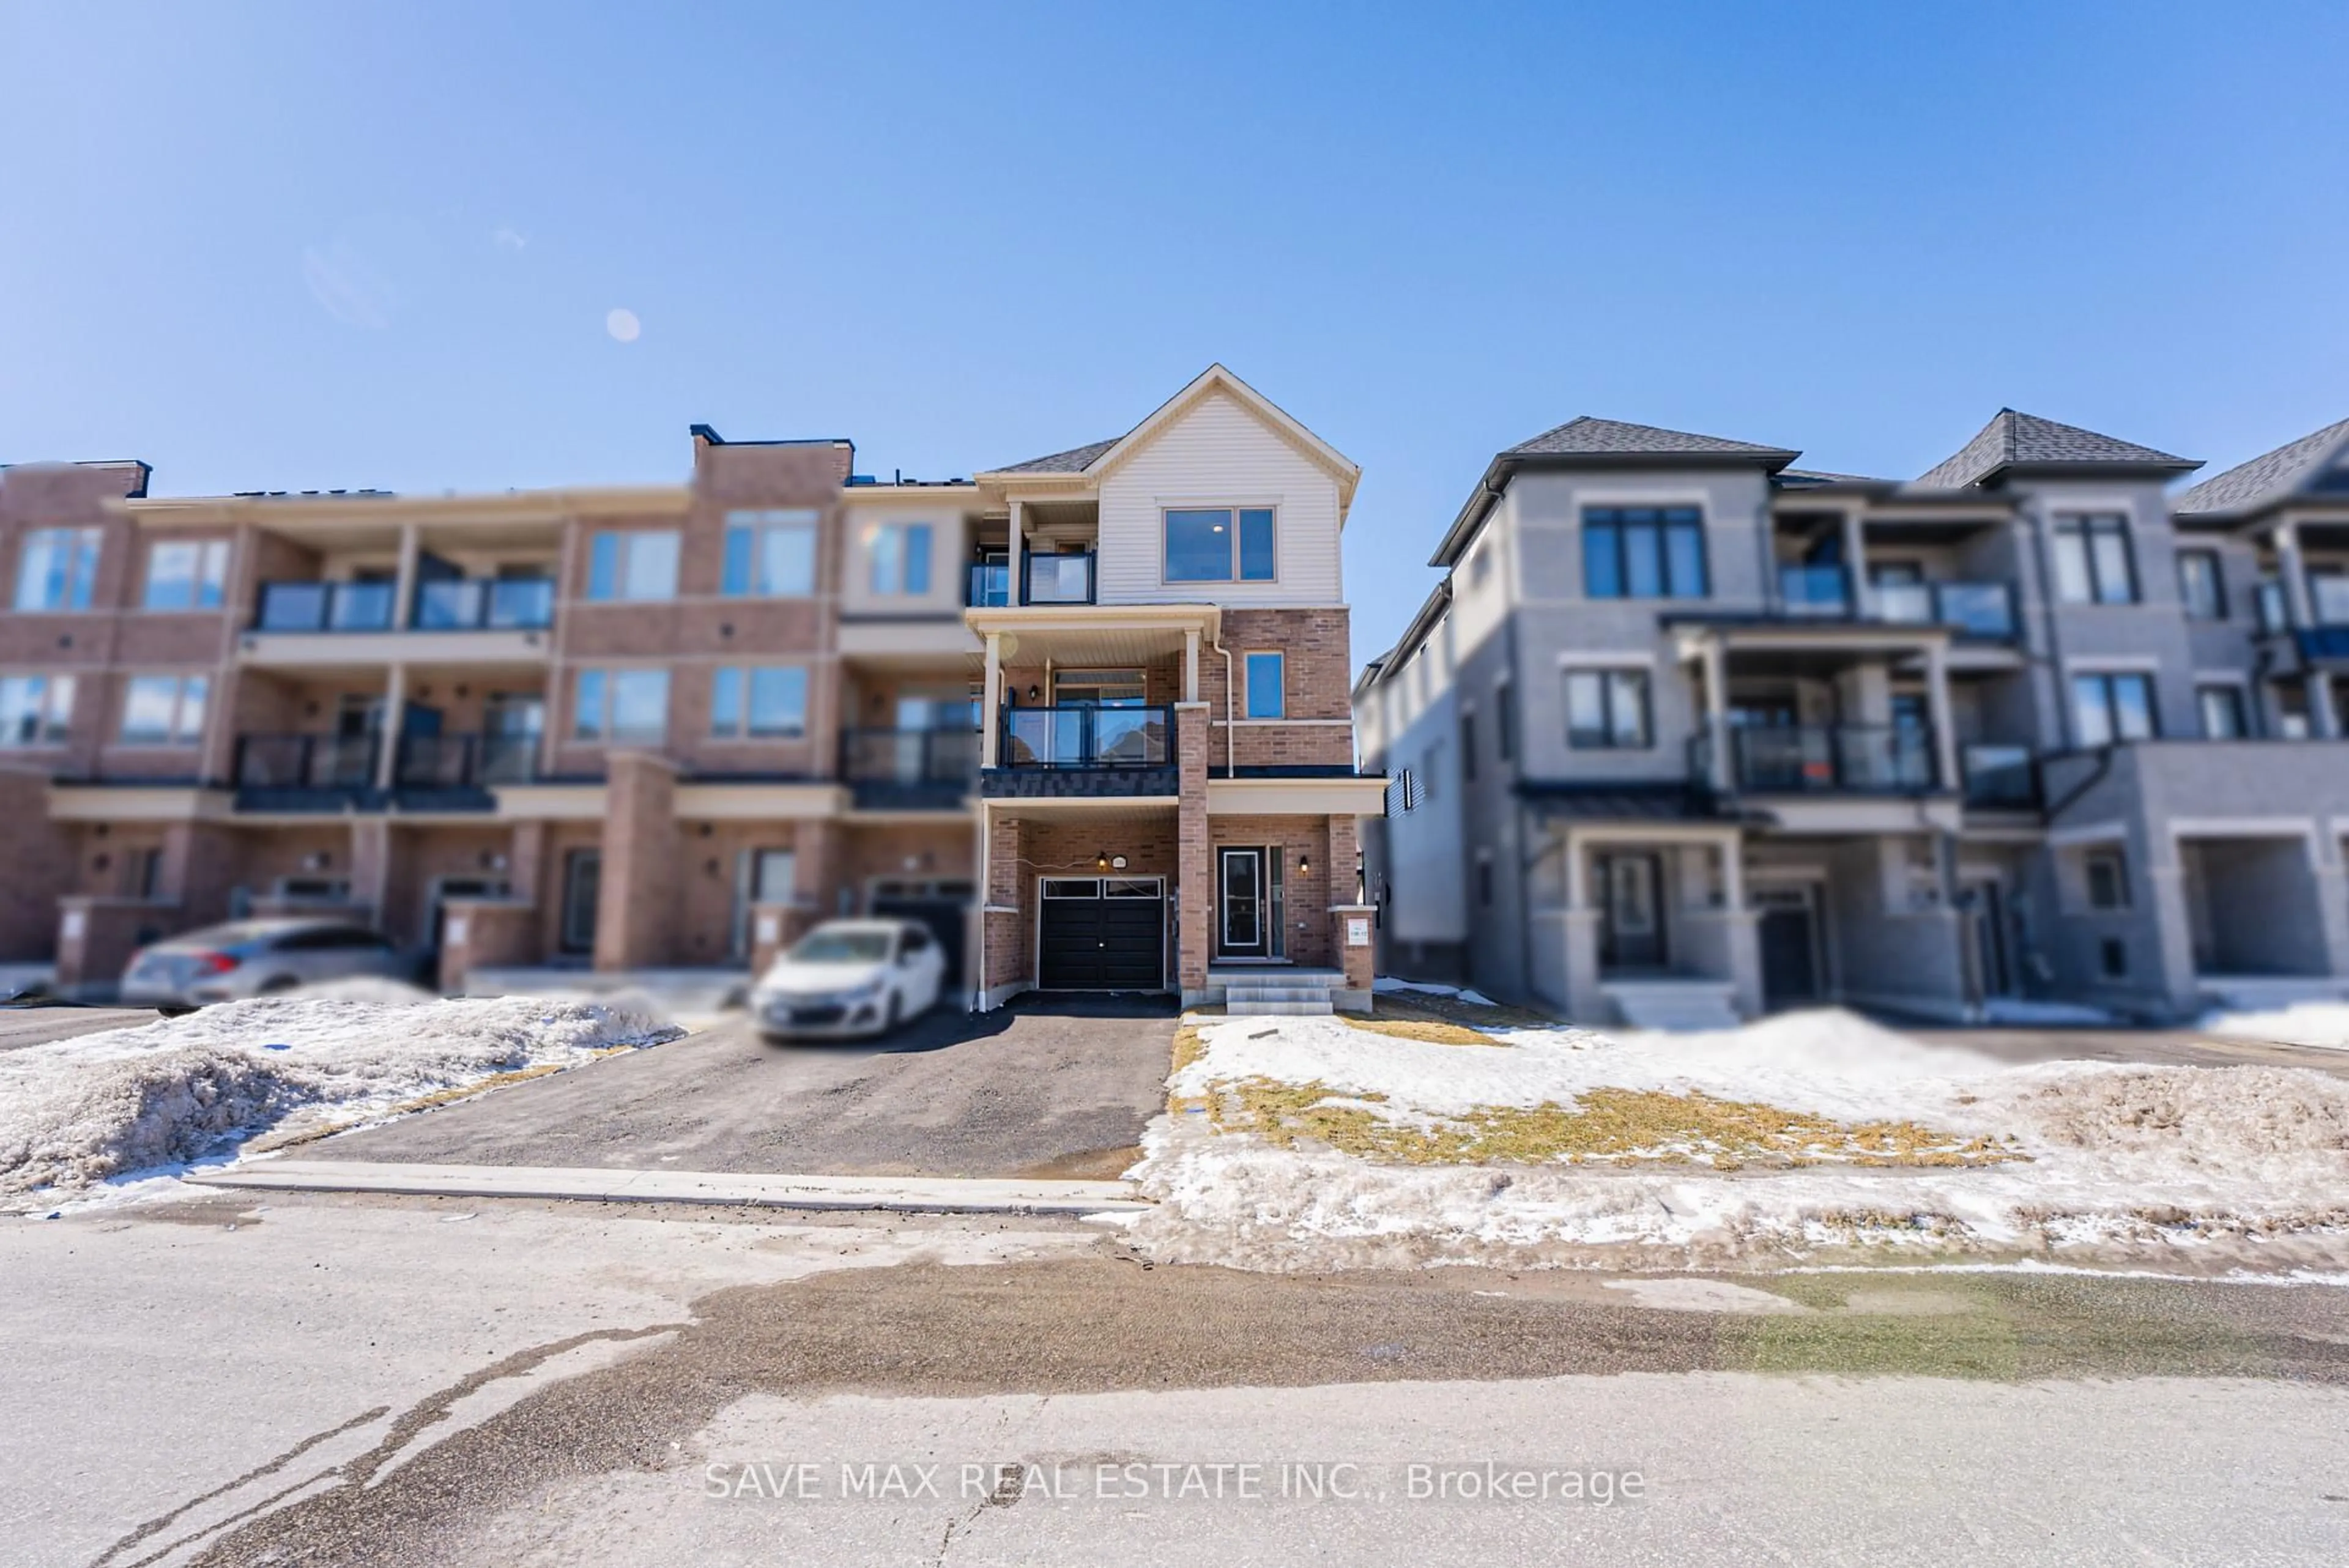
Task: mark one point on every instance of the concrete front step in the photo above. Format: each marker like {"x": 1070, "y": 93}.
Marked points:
{"x": 1276, "y": 993}
{"x": 1677, "y": 1006}
{"x": 1236, "y": 1008}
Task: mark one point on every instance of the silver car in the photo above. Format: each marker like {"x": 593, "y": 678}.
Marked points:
{"x": 255, "y": 958}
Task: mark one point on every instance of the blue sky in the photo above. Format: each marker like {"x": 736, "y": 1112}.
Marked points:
{"x": 342, "y": 245}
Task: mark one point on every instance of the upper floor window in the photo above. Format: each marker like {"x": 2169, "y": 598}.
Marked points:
{"x": 1266, "y": 696}
{"x": 1221, "y": 544}
{"x": 1643, "y": 552}
{"x": 1504, "y": 720}
{"x": 620, "y": 704}
{"x": 1608, "y": 710}
{"x": 36, "y": 710}
{"x": 57, "y": 568}
{"x": 164, "y": 710}
{"x": 2199, "y": 585}
{"x": 761, "y": 702}
{"x": 2221, "y": 708}
{"x": 2093, "y": 565}
{"x": 770, "y": 554}
{"x": 900, "y": 557}
{"x": 186, "y": 574}
{"x": 640, "y": 563}
{"x": 2110, "y": 708}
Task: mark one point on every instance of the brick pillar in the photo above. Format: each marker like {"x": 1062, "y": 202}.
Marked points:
{"x": 525, "y": 861}
{"x": 1003, "y": 918}
{"x": 817, "y": 857}
{"x": 1194, "y": 876}
{"x": 636, "y": 909}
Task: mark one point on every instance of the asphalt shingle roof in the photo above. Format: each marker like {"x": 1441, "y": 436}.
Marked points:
{"x": 1588, "y": 436}
{"x": 1075, "y": 460}
{"x": 2026, "y": 441}
{"x": 2270, "y": 477}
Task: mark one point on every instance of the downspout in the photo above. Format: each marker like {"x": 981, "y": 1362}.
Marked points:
{"x": 1231, "y": 733}
{"x": 978, "y": 997}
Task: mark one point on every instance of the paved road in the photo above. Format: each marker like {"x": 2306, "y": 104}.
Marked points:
{"x": 1033, "y": 1090}
{"x": 2160, "y": 1047}
{"x": 400, "y": 1382}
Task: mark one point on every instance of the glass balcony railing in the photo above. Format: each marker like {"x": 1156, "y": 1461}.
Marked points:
{"x": 325, "y": 607}
{"x": 304, "y": 762}
{"x": 2328, "y": 599}
{"x": 2000, "y": 776}
{"x": 909, "y": 756}
{"x": 1820, "y": 758}
{"x": 1815, "y": 589}
{"x": 990, "y": 584}
{"x": 1985, "y": 610}
{"x": 1087, "y": 738}
{"x": 484, "y": 604}
{"x": 464, "y": 761}
{"x": 1060, "y": 579}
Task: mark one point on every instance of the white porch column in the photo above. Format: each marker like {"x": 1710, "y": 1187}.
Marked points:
{"x": 2294, "y": 574}
{"x": 403, "y": 593}
{"x": 1937, "y": 699}
{"x": 1717, "y": 712}
{"x": 1732, "y": 873}
{"x": 395, "y": 699}
{"x": 1191, "y": 664}
{"x": 991, "y": 720}
{"x": 1018, "y": 539}
{"x": 1855, "y": 555}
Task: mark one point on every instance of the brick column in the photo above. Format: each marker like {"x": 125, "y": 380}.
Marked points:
{"x": 1194, "y": 860}
{"x": 636, "y": 908}
{"x": 1003, "y": 918}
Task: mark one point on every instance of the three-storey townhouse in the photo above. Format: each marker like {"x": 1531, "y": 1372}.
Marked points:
{"x": 1687, "y": 732}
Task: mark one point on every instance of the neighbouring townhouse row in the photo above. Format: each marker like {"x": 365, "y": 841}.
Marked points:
{"x": 1687, "y": 732}
{"x": 1087, "y": 715}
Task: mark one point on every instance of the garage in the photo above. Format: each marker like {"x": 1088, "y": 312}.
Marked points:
{"x": 943, "y": 906}
{"x": 1102, "y": 933}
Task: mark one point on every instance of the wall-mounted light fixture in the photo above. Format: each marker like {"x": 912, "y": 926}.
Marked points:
{"x": 1032, "y": 694}
{"x": 1304, "y": 864}
{"x": 1101, "y": 861}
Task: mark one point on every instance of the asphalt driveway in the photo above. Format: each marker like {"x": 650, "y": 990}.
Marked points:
{"x": 1039, "y": 1089}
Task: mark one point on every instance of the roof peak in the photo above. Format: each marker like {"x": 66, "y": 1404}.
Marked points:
{"x": 2311, "y": 460}
{"x": 2013, "y": 438}
{"x": 1592, "y": 435}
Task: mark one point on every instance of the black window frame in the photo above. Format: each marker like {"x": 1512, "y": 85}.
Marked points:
{"x": 2107, "y": 679}
{"x": 1610, "y": 527}
{"x": 2086, "y": 527}
{"x": 2218, "y": 611}
{"x": 1607, "y": 675}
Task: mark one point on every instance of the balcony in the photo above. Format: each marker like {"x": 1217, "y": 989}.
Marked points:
{"x": 1819, "y": 591}
{"x": 909, "y": 770}
{"x": 1084, "y": 751}
{"x": 304, "y": 772}
{"x": 1823, "y": 759}
{"x": 988, "y": 586}
{"x": 325, "y": 607}
{"x": 2000, "y": 777}
{"x": 455, "y": 772}
{"x": 484, "y": 604}
{"x": 1059, "y": 580}
{"x": 1984, "y": 610}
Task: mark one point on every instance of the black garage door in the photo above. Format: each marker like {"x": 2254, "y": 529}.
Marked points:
{"x": 1105, "y": 934}
{"x": 947, "y": 918}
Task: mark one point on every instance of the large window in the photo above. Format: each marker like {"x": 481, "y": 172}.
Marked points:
{"x": 57, "y": 568}
{"x": 1643, "y": 552}
{"x": 186, "y": 574}
{"x": 2222, "y": 712}
{"x": 761, "y": 702}
{"x": 1266, "y": 694}
{"x": 2201, "y": 587}
{"x": 621, "y": 705}
{"x": 770, "y": 554}
{"x": 639, "y": 564}
{"x": 2093, "y": 565}
{"x": 36, "y": 710}
{"x": 899, "y": 557}
{"x": 2110, "y": 708}
{"x": 163, "y": 710}
{"x": 1221, "y": 544}
{"x": 1607, "y": 709}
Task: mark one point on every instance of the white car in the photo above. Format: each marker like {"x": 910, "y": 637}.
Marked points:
{"x": 850, "y": 977}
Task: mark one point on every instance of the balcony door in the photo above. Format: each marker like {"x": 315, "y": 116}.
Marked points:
{"x": 1086, "y": 736}
{"x": 582, "y": 885}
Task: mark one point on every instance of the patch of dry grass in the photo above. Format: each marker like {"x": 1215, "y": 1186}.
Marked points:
{"x": 1452, "y": 1009}
{"x": 1604, "y": 1127}
{"x": 1189, "y": 1046}
{"x": 1409, "y": 1021}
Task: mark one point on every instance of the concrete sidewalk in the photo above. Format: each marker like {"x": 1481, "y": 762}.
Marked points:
{"x": 903, "y": 1194}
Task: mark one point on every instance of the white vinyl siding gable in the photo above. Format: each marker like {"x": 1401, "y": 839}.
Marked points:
{"x": 1218, "y": 453}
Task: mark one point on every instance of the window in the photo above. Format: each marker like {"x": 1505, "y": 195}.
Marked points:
{"x": 1643, "y": 552}
{"x": 2107, "y": 874}
{"x": 2093, "y": 565}
{"x": 770, "y": 554}
{"x": 1607, "y": 709}
{"x": 36, "y": 710}
{"x": 186, "y": 574}
{"x": 2201, "y": 587}
{"x": 2110, "y": 708}
{"x": 1467, "y": 744}
{"x": 56, "y": 569}
{"x": 761, "y": 703}
{"x": 641, "y": 564}
{"x": 900, "y": 555}
{"x": 2222, "y": 712}
{"x": 1220, "y": 546}
{"x": 163, "y": 710}
{"x": 1266, "y": 696}
{"x": 1505, "y": 721}
{"x": 621, "y": 705}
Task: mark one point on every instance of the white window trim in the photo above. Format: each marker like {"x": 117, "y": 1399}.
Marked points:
{"x": 870, "y": 538}
{"x": 761, "y": 520}
{"x": 1222, "y": 504}
{"x": 1247, "y": 706}
{"x": 44, "y": 740}
{"x": 570, "y": 736}
{"x": 1577, "y": 660}
{"x": 96, "y": 562}
{"x": 740, "y": 735}
{"x": 174, "y": 739}
{"x": 227, "y": 549}
{"x": 626, "y": 538}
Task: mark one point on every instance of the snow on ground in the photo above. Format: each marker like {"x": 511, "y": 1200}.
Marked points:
{"x": 2324, "y": 1024}
{"x": 112, "y": 1107}
{"x": 2251, "y": 1165}
{"x": 1384, "y": 983}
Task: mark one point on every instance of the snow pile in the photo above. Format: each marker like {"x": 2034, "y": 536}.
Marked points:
{"x": 2248, "y": 1165}
{"x": 2324, "y": 1024}
{"x": 140, "y": 1101}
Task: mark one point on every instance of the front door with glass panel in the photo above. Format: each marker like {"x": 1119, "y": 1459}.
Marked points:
{"x": 1631, "y": 921}
{"x": 1244, "y": 920}
{"x": 761, "y": 876}
{"x": 583, "y": 882}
